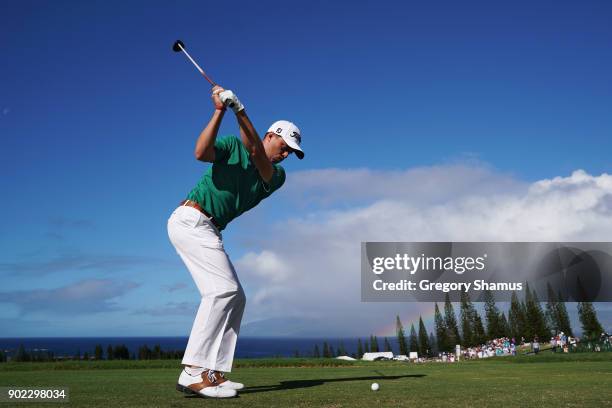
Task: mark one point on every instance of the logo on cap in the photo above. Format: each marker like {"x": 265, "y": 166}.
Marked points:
{"x": 297, "y": 137}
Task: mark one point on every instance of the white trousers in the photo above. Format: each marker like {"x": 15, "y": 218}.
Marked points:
{"x": 215, "y": 330}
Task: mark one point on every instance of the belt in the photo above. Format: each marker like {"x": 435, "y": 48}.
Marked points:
{"x": 189, "y": 203}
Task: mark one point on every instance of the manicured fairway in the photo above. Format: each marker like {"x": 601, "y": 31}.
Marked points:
{"x": 545, "y": 380}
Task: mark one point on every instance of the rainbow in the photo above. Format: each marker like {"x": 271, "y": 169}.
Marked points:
{"x": 425, "y": 310}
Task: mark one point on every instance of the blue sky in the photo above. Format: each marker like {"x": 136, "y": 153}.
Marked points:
{"x": 98, "y": 119}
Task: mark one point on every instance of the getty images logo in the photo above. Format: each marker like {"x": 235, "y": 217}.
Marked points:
{"x": 412, "y": 264}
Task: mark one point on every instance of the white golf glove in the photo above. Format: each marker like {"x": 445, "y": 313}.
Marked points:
{"x": 230, "y": 99}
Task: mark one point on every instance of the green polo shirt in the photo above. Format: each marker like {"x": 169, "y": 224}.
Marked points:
{"x": 232, "y": 185}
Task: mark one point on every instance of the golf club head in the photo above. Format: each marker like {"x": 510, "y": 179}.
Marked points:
{"x": 177, "y": 46}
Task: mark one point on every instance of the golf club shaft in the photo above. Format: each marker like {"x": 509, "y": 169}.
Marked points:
{"x": 197, "y": 66}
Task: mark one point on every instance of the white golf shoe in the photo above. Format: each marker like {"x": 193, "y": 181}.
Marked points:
{"x": 229, "y": 384}
{"x": 208, "y": 384}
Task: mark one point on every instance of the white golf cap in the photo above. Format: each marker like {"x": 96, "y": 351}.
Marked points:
{"x": 290, "y": 134}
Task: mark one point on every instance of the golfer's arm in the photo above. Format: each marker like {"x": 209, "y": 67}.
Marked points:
{"x": 205, "y": 146}
{"x": 253, "y": 143}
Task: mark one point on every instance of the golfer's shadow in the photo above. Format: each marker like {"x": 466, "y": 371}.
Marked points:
{"x": 291, "y": 385}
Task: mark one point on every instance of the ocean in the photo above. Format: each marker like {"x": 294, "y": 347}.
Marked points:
{"x": 247, "y": 347}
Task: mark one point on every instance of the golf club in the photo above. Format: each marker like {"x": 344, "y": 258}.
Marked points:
{"x": 178, "y": 47}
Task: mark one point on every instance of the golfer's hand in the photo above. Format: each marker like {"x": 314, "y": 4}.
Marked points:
{"x": 230, "y": 99}
{"x": 215, "y": 97}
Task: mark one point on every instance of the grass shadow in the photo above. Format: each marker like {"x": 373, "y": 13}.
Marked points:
{"x": 293, "y": 384}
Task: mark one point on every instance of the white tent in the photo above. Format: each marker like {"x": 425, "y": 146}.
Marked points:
{"x": 376, "y": 356}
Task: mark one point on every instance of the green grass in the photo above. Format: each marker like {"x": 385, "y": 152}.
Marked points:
{"x": 546, "y": 380}
{"x": 171, "y": 364}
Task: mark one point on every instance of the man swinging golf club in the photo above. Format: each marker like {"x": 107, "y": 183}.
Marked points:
{"x": 244, "y": 171}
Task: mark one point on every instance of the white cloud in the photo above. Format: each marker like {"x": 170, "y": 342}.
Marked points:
{"x": 85, "y": 296}
{"x": 434, "y": 184}
{"x": 265, "y": 265}
{"x": 312, "y": 266}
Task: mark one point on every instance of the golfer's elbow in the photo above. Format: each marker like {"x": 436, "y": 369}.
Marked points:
{"x": 266, "y": 174}
{"x": 207, "y": 155}
{"x": 263, "y": 165}
{"x": 267, "y": 178}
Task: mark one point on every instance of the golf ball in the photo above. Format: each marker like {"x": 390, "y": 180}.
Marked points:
{"x": 375, "y": 386}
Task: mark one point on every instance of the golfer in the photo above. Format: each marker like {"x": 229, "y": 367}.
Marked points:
{"x": 244, "y": 171}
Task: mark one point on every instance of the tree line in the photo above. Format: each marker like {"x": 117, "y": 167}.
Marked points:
{"x": 118, "y": 352}
{"x": 328, "y": 351}
{"x": 525, "y": 319}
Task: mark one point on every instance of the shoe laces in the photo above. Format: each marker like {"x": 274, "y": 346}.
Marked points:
{"x": 212, "y": 377}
